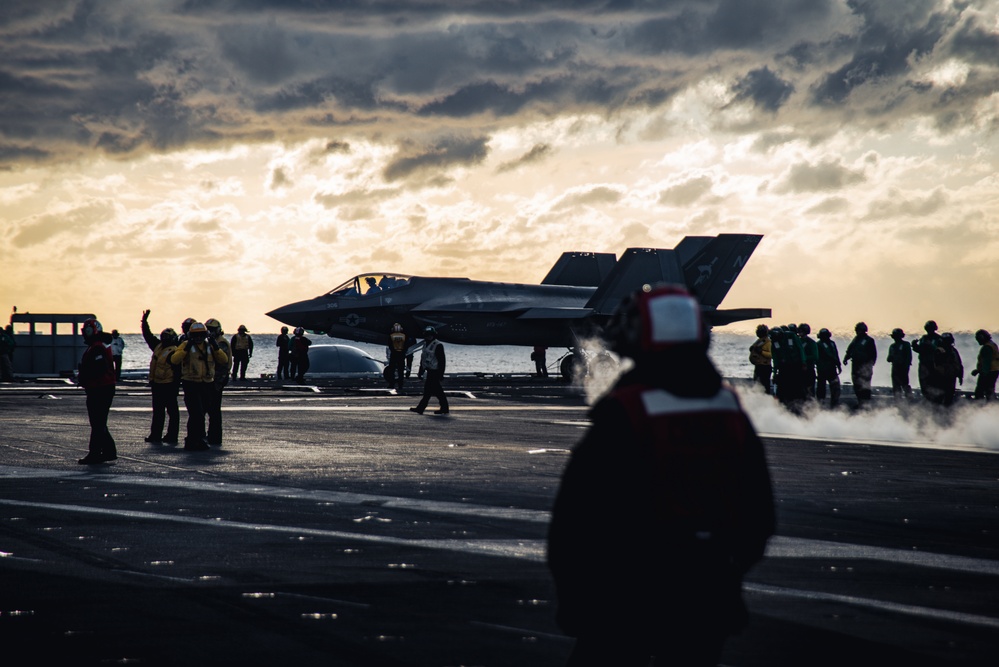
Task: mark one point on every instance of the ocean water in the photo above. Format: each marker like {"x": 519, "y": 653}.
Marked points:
{"x": 730, "y": 353}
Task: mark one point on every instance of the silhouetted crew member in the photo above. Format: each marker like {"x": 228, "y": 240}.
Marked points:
{"x": 164, "y": 383}
{"x": 761, "y": 356}
{"x": 900, "y": 358}
{"x": 664, "y": 505}
{"x": 540, "y": 358}
{"x": 864, "y": 354}
{"x": 432, "y": 362}
{"x": 96, "y": 375}
{"x": 300, "y": 354}
{"x": 7, "y": 346}
{"x": 410, "y": 345}
{"x": 926, "y": 348}
{"x": 221, "y": 380}
{"x": 810, "y": 351}
{"x": 789, "y": 362}
{"x": 242, "y": 351}
{"x": 827, "y": 369}
{"x": 198, "y": 356}
{"x": 987, "y": 368}
{"x": 397, "y": 356}
{"x": 949, "y": 368}
{"x": 117, "y": 352}
{"x": 282, "y": 344}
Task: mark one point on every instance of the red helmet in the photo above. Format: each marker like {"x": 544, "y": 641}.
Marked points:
{"x": 656, "y": 319}
{"x": 91, "y": 327}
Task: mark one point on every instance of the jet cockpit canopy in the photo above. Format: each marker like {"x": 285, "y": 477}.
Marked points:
{"x": 368, "y": 284}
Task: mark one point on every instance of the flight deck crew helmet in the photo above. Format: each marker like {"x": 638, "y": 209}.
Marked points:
{"x": 824, "y": 333}
{"x": 91, "y": 327}
{"x": 804, "y": 328}
{"x": 168, "y": 336}
{"x": 284, "y": 330}
{"x": 860, "y": 328}
{"x": 396, "y": 328}
{"x": 762, "y": 330}
{"x": 430, "y": 332}
{"x": 185, "y": 326}
{"x": 198, "y": 332}
{"x": 241, "y": 328}
{"x": 930, "y": 326}
{"x": 947, "y": 338}
{"x": 656, "y": 319}
{"x": 299, "y": 331}
{"x": 214, "y": 326}
{"x": 897, "y": 334}
{"x": 982, "y": 335}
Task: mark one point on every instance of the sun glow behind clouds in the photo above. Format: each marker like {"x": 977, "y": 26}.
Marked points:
{"x": 276, "y": 153}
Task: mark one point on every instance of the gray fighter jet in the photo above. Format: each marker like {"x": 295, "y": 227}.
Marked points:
{"x": 571, "y": 304}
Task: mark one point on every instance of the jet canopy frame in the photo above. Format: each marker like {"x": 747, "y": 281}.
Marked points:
{"x": 368, "y": 284}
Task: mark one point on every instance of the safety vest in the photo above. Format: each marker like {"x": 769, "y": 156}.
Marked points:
{"x": 397, "y": 341}
{"x": 197, "y": 362}
{"x": 428, "y": 359}
{"x": 160, "y": 368}
{"x": 696, "y": 447}
{"x": 241, "y": 342}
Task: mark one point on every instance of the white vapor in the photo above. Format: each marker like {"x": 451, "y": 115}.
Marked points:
{"x": 965, "y": 424}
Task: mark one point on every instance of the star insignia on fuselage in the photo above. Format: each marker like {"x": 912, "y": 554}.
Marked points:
{"x": 352, "y": 320}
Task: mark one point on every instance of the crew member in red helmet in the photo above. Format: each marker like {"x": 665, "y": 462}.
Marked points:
{"x": 664, "y": 504}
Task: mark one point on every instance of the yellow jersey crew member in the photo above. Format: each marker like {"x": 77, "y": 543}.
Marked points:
{"x": 242, "y": 352}
{"x": 221, "y": 380}
{"x": 198, "y": 357}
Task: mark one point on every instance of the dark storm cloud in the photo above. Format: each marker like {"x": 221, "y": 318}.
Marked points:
{"x": 764, "y": 89}
{"x": 883, "y": 52}
{"x": 123, "y": 77}
{"x": 441, "y": 154}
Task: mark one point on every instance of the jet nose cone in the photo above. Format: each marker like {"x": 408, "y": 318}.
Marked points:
{"x": 299, "y": 314}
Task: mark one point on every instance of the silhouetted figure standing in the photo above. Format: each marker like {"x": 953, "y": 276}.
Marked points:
{"x": 117, "y": 352}
{"x": 282, "y": 344}
{"x": 926, "y": 347}
{"x": 96, "y": 374}
{"x": 900, "y": 358}
{"x": 987, "y": 368}
{"x": 300, "y": 354}
{"x": 950, "y": 368}
{"x": 827, "y": 369}
{"x": 810, "y": 351}
{"x": 432, "y": 362}
{"x": 198, "y": 356}
{"x": 164, "y": 383}
{"x": 241, "y": 346}
{"x": 864, "y": 354}
{"x": 761, "y": 356}
{"x": 664, "y": 505}
{"x": 397, "y": 357}
{"x": 222, "y": 371}
{"x": 540, "y": 358}
{"x": 789, "y": 363}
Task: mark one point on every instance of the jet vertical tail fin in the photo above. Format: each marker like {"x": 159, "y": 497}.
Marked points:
{"x": 711, "y": 265}
{"x": 637, "y": 267}
{"x": 580, "y": 269}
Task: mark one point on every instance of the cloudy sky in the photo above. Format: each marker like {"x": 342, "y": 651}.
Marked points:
{"x": 217, "y": 158}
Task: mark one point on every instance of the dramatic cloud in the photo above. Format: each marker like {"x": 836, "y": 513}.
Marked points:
{"x": 486, "y": 137}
